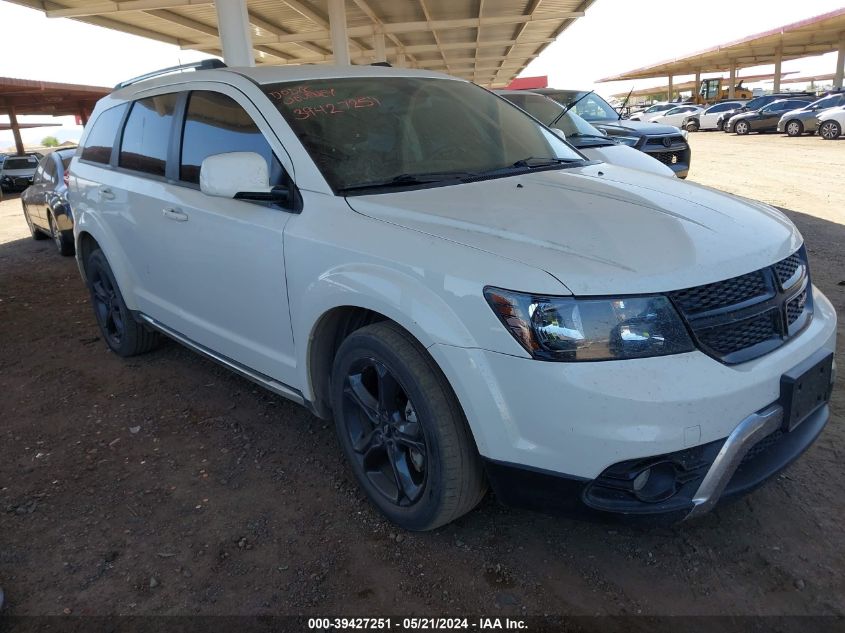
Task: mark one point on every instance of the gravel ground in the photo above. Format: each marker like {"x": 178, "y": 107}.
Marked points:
{"x": 163, "y": 484}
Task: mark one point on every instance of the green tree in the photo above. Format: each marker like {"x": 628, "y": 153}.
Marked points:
{"x": 50, "y": 141}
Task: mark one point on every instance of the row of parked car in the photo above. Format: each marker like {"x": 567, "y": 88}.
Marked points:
{"x": 793, "y": 113}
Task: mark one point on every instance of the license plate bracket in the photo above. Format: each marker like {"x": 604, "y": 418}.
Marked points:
{"x": 805, "y": 388}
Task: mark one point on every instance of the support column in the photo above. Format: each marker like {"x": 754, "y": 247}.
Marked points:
{"x": 16, "y": 131}
{"x": 339, "y": 35}
{"x": 83, "y": 114}
{"x": 401, "y": 60}
{"x": 233, "y": 26}
{"x": 378, "y": 45}
{"x": 695, "y": 95}
{"x": 732, "y": 80}
{"x": 671, "y": 87}
{"x": 778, "y": 61}
{"x": 840, "y": 65}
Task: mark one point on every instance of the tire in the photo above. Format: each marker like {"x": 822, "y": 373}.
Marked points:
{"x": 794, "y": 127}
{"x": 692, "y": 126}
{"x": 742, "y": 128}
{"x": 122, "y": 333}
{"x": 723, "y": 126}
{"x": 402, "y": 429}
{"x": 830, "y": 130}
{"x": 63, "y": 241}
{"x": 34, "y": 232}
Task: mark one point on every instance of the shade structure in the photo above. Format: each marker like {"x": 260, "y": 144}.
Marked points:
{"x": 487, "y": 41}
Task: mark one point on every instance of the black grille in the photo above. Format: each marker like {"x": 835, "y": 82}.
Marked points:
{"x": 787, "y": 267}
{"x": 795, "y": 308}
{"x": 673, "y": 140}
{"x": 741, "y": 334}
{"x": 667, "y": 158}
{"x": 762, "y": 446}
{"x": 722, "y": 293}
{"x": 744, "y": 317}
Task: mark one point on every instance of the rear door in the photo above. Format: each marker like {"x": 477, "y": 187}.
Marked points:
{"x": 33, "y": 197}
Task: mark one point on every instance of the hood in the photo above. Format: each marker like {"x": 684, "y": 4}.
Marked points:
{"x": 624, "y": 156}
{"x": 626, "y": 126}
{"x": 598, "y": 229}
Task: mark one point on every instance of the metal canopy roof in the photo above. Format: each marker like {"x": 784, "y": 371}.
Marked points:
{"x": 488, "y": 41}
{"x": 691, "y": 85}
{"x": 46, "y": 97}
{"x": 814, "y": 36}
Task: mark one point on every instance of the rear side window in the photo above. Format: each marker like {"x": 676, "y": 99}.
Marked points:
{"x": 101, "y": 138}
{"x": 215, "y": 124}
{"x": 147, "y": 135}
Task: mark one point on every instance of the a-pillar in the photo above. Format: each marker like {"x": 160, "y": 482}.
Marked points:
{"x": 339, "y": 35}
{"x": 235, "y": 37}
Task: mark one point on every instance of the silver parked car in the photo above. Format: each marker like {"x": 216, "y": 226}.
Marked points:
{"x": 17, "y": 172}
{"x": 804, "y": 121}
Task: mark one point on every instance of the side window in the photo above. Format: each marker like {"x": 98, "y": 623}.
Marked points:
{"x": 215, "y": 124}
{"x": 102, "y": 136}
{"x": 49, "y": 165}
{"x": 146, "y": 136}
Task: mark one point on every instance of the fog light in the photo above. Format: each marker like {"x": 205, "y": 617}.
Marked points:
{"x": 641, "y": 480}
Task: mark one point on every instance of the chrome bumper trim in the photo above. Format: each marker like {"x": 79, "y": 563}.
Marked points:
{"x": 750, "y": 431}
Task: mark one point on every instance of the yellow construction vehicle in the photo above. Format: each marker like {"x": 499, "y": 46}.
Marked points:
{"x": 717, "y": 89}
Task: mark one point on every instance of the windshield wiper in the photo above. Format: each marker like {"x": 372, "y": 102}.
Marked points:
{"x": 568, "y": 106}
{"x": 409, "y": 180}
{"x": 538, "y": 161}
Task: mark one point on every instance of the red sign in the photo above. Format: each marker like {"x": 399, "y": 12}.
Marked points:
{"x": 528, "y": 83}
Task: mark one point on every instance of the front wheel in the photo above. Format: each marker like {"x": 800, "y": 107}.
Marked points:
{"x": 402, "y": 429}
{"x": 830, "y": 130}
{"x": 742, "y": 128}
{"x": 794, "y": 128}
{"x": 123, "y": 334}
{"x": 692, "y": 126}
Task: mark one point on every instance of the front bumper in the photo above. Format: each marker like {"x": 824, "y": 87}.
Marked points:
{"x": 570, "y": 423}
{"x": 15, "y": 183}
{"x": 676, "y": 156}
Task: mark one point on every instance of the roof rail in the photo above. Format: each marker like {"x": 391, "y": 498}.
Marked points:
{"x": 206, "y": 64}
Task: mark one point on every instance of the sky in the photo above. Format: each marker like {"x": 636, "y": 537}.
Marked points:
{"x": 614, "y": 36}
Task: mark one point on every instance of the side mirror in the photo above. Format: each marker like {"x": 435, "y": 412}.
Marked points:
{"x": 233, "y": 173}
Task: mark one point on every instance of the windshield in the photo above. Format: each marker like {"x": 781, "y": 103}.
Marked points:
{"x": 758, "y": 102}
{"x": 20, "y": 163}
{"x": 549, "y": 113}
{"x": 379, "y": 129}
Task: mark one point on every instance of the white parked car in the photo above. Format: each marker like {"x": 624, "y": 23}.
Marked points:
{"x": 831, "y": 123}
{"x": 652, "y": 110}
{"x": 469, "y": 299}
{"x": 708, "y": 118}
{"x": 676, "y": 116}
{"x": 579, "y": 133}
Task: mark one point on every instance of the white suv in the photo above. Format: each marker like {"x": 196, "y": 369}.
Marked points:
{"x": 471, "y": 300}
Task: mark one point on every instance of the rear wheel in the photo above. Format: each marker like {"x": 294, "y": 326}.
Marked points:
{"x": 402, "y": 429}
{"x": 742, "y": 128}
{"x": 794, "y": 128}
{"x": 63, "y": 241}
{"x": 830, "y": 130}
{"x": 123, "y": 334}
{"x": 692, "y": 126}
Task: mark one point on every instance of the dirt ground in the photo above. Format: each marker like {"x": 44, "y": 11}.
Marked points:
{"x": 164, "y": 484}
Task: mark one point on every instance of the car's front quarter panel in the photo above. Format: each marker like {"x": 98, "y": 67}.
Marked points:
{"x": 433, "y": 287}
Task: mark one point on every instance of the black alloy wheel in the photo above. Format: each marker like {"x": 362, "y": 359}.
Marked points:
{"x": 107, "y": 306}
{"x": 385, "y": 433}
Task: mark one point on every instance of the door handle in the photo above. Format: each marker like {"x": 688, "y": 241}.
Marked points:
{"x": 174, "y": 214}
{"x": 107, "y": 193}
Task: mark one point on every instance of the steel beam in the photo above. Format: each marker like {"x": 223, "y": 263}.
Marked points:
{"x": 105, "y": 8}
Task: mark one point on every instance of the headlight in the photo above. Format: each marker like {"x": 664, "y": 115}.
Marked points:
{"x": 631, "y": 141}
{"x": 569, "y": 329}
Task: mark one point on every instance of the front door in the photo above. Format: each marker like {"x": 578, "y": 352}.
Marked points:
{"x": 223, "y": 259}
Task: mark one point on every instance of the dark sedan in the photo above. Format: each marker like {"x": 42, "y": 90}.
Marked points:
{"x": 45, "y": 204}
{"x": 766, "y": 118}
